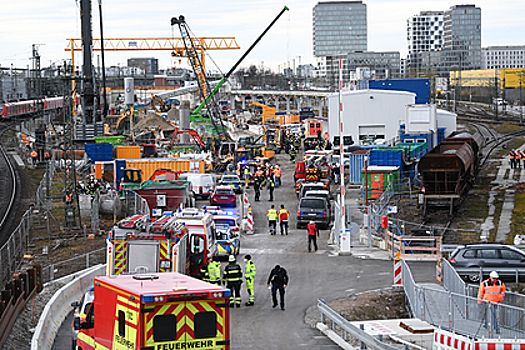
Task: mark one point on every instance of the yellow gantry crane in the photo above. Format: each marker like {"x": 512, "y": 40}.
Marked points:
{"x": 176, "y": 45}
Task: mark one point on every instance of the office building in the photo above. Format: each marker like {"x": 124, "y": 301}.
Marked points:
{"x": 506, "y": 57}
{"x": 462, "y": 38}
{"x": 339, "y": 27}
{"x": 148, "y": 65}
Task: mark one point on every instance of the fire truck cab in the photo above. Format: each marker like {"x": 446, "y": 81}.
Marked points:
{"x": 155, "y": 311}
{"x": 136, "y": 246}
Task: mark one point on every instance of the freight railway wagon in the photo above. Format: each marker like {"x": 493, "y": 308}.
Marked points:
{"x": 449, "y": 168}
{"x": 155, "y": 312}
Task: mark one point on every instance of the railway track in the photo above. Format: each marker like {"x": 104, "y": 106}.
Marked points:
{"x": 8, "y": 187}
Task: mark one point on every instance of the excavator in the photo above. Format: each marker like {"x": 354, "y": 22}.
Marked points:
{"x": 196, "y": 139}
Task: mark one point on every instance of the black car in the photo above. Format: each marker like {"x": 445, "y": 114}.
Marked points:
{"x": 507, "y": 261}
{"x": 313, "y": 209}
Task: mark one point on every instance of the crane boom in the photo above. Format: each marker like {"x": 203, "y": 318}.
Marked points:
{"x": 223, "y": 80}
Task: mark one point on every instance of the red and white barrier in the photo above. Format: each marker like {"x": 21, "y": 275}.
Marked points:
{"x": 503, "y": 344}
{"x": 245, "y": 199}
{"x": 250, "y": 221}
{"x": 444, "y": 340}
{"x": 397, "y": 270}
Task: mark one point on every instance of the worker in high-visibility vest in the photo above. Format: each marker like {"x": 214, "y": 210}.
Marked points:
{"x": 232, "y": 277}
{"x": 512, "y": 156}
{"x": 271, "y": 214}
{"x": 278, "y": 172}
{"x": 518, "y": 158}
{"x": 249, "y": 276}
{"x": 214, "y": 272}
{"x": 284, "y": 215}
{"x": 492, "y": 291}
{"x": 34, "y": 156}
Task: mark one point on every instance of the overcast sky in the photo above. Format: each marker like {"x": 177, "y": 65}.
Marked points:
{"x": 51, "y": 22}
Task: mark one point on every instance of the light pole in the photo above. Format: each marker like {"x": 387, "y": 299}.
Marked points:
{"x": 520, "y": 74}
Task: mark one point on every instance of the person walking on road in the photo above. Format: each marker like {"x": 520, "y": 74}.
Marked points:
{"x": 271, "y": 214}
{"x": 313, "y": 233}
{"x": 271, "y": 187}
{"x": 279, "y": 280}
{"x": 284, "y": 215}
{"x": 232, "y": 277}
{"x": 249, "y": 276}
{"x": 491, "y": 293}
{"x": 257, "y": 188}
{"x": 278, "y": 172}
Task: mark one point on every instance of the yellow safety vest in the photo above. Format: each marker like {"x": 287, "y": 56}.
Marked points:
{"x": 272, "y": 215}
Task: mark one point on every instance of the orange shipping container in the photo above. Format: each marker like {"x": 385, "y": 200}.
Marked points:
{"x": 149, "y": 165}
{"x": 291, "y": 119}
{"x": 98, "y": 171}
{"x": 128, "y": 152}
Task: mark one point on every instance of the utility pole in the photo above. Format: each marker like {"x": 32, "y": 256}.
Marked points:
{"x": 521, "y": 74}
{"x": 345, "y": 243}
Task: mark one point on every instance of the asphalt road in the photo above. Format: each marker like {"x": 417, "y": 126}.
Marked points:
{"x": 312, "y": 276}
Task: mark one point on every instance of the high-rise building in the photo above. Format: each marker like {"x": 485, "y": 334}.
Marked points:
{"x": 339, "y": 27}
{"x": 425, "y": 33}
{"x": 462, "y": 40}
{"x": 503, "y": 57}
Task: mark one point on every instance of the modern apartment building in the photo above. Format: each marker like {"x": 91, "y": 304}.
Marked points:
{"x": 462, "y": 38}
{"x": 339, "y": 27}
{"x": 148, "y": 65}
{"x": 425, "y": 33}
{"x": 506, "y": 57}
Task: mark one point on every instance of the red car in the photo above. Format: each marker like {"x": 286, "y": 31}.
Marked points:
{"x": 223, "y": 195}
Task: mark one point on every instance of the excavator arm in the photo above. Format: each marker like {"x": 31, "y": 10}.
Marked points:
{"x": 196, "y": 138}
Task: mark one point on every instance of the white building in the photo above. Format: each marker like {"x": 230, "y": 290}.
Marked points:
{"x": 503, "y": 57}
{"x": 425, "y": 32}
{"x": 369, "y": 114}
{"x": 426, "y": 120}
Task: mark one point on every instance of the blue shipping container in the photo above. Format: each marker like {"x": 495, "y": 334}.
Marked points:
{"x": 392, "y": 157}
{"x": 357, "y": 163}
{"x": 421, "y": 87}
{"x": 120, "y": 166}
{"x": 99, "y": 152}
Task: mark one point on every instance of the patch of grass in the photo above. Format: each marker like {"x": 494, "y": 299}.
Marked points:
{"x": 498, "y": 203}
{"x": 506, "y": 128}
{"x": 517, "y": 226}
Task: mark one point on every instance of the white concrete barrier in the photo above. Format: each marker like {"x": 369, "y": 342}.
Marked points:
{"x": 59, "y": 306}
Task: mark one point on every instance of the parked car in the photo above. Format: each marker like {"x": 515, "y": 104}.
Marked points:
{"x": 322, "y": 194}
{"x": 223, "y": 195}
{"x": 471, "y": 261}
{"x": 311, "y": 186}
{"x": 228, "y": 242}
{"x": 222, "y": 219}
{"x": 201, "y": 184}
{"x": 313, "y": 209}
{"x": 232, "y": 181}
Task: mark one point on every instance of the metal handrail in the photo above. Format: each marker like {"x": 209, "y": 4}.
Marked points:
{"x": 349, "y": 328}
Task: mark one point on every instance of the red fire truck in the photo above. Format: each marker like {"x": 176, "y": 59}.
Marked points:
{"x": 155, "y": 311}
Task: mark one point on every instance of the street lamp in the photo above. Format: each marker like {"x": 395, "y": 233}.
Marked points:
{"x": 521, "y": 102}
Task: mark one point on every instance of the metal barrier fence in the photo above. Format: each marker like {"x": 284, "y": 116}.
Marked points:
{"x": 461, "y": 313}
{"x": 135, "y": 204}
{"x": 69, "y": 266}
{"x": 451, "y": 280}
{"x": 341, "y": 325}
{"x": 12, "y": 252}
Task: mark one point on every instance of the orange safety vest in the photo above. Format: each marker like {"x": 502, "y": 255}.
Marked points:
{"x": 278, "y": 172}
{"x": 284, "y": 215}
{"x": 518, "y": 155}
{"x": 34, "y": 154}
{"x": 494, "y": 293}
{"x": 312, "y": 230}
{"x": 512, "y": 155}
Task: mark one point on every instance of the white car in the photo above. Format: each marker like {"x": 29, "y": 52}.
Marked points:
{"x": 201, "y": 184}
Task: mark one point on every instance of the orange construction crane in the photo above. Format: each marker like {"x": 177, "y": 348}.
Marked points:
{"x": 155, "y": 44}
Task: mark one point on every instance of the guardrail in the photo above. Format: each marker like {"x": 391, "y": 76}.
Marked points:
{"x": 14, "y": 298}
{"x": 460, "y": 313}
{"x": 334, "y": 321}
{"x": 57, "y": 309}
{"x": 69, "y": 266}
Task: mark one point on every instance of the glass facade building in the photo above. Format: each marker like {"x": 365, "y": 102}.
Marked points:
{"x": 339, "y": 27}
{"x": 462, "y": 39}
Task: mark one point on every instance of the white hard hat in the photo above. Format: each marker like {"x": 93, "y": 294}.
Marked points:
{"x": 494, "y": 274}
{"x": 312, "y": 222}
{"x": 231, "y": 258}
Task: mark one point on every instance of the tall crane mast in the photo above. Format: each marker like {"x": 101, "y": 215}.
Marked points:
{"x": 192, "y": 49}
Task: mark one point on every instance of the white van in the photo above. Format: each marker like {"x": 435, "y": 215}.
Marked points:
{"x": 202, "y": 185}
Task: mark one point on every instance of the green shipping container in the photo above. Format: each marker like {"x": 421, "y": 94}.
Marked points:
{"x": 378, "y": 178}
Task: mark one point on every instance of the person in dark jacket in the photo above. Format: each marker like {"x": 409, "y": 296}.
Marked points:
{"x": 232, "y": 277}
{"x": 279, "y": 280}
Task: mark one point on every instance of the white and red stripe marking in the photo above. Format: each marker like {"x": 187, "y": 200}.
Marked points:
{"x": 245, "y": 199}
{"x": 444, "y": 340}
{"x": 397, "y": 272}
{"x": 250, "y": 220}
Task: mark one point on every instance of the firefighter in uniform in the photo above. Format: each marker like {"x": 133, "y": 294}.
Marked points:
{"x": 293, "y": 153}
{"x": 249, "y": 275}
{"x": 512, "y": 156}
{"x": 204, "y": 273}
{"x": 271, "y": 214}
{"x": 257, "y": 188}
{"x": 232, "y": 277}
{"x": 271, "y": 187}
{"x": 284, "y": 215}
{"x": 492, "y": 291}
{"x": 214, "y": 272}
{"x": 247, "y": 175}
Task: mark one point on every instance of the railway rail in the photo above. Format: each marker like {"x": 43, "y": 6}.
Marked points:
{"x": 8, "y": 186}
